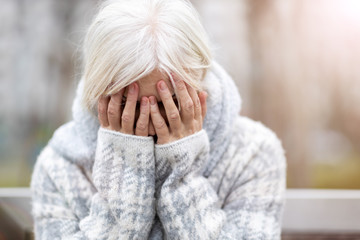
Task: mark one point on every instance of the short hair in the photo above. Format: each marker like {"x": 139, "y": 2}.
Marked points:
{"x": 128, "y": 39}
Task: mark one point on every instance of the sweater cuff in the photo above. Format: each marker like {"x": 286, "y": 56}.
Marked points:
{"x": 129, "y": 137}
{"x": 119, "y": 149}
{"x": 184, "y": 155}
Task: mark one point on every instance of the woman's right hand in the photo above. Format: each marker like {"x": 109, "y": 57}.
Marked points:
{"x": 116, "y": 116}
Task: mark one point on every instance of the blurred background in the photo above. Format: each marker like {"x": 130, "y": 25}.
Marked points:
{"x": 295, "y": 64}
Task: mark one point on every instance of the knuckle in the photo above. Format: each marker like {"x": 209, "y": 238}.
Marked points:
{"x": 102, "y": 109}
{"x": 174, "y": 115}
{"x": 191, "y": 129}
{"x": 181, "y": 85}
{"x": 144, "y": 112}
{"x": 160, "y": 124}
{"x": 189, "y": 105}
{"x": 126, "y": 118}
{"x": 177, "y": 135}
{"x": 112, "y": 112}
{"x": 141, "y": 126}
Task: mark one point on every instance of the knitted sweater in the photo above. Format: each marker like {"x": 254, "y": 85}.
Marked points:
{"x": 225, "y": 182}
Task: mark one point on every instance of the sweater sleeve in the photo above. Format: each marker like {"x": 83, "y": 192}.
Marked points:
{"x": 188, "y": 205}
{"x": 122, "y": 204}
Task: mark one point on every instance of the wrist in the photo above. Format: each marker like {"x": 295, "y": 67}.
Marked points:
{"x": 190, "y": 147}
{"x": 180, "y": 141}
{"x": 123, "y": 146}
{"x": 113, "y": 133}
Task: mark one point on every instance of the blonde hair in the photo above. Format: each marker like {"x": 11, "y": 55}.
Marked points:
{"x": 128, "y": 39}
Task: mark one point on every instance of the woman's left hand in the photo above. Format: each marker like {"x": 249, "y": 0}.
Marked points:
{"x": 181, "y": 124}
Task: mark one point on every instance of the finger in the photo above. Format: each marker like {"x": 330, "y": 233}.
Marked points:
{"x": 203, "y": 96}
{"x": 128, "y": 115}
{"x": 142, "y": 124}
{"x": 186, "y": 103}
{"x": 151, "y": 128}
{"x": 114, "y": 110}
{"x": 102, "y": 111}
{"x": 195, "y": 98}
{"x": 158, "y": 121}
{"x": 172, "y": 113}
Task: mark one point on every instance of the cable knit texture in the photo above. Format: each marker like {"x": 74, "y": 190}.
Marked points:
{"x": 226, "y": 181}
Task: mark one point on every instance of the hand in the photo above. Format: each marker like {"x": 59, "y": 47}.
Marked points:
{"x": 117, "y": 116}
{"x": 181, "y": 124}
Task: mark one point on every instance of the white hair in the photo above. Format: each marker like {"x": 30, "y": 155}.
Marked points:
{"x": 129, "y": 39}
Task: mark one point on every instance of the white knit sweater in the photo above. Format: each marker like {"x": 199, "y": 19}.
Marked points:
{"x": 225, "y": 182}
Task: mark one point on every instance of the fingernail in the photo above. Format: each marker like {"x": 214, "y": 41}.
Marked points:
{"x": 152, "y": 101}
{"x": 162, "y": 85}
{"x": 132, "y": 88}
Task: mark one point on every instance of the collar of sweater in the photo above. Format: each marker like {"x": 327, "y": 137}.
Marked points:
{"x": 76, "y": 140}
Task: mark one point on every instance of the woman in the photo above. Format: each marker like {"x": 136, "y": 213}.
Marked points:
{"x": 157, "y": 148}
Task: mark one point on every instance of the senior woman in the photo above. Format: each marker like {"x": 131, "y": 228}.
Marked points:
{"x": 157, "y": 149}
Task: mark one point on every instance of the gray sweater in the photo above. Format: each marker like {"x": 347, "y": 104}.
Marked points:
{"x": 225, "y": 182}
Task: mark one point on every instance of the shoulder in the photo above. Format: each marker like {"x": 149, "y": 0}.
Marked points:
{"x": 50, "y": 187}
{"x": 249, "y": 130}
{"x": 254, "y": 163}
{"x": 252, "y": 139}
{"x": 43, "y": 169}
{"x": 51, "y": 170}
{"x": 48, "y": 161}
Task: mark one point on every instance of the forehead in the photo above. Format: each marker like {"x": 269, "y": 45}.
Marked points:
{"x": 147, "y": 85}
